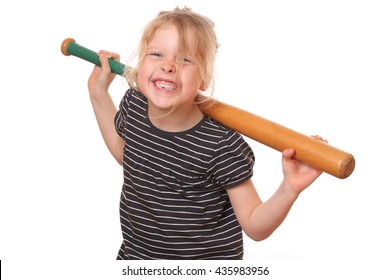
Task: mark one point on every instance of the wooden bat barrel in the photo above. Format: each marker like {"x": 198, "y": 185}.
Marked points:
{"x": 307, "y": 149}
{"x": 315, "y": 153}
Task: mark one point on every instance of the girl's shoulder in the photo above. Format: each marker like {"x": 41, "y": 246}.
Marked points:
{"x": 221, "y": 134}
{"x": 132, "y": 93}
{"x": 132, "y": 97}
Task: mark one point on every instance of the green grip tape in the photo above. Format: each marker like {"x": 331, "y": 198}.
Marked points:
{"x": 77, "y": 50}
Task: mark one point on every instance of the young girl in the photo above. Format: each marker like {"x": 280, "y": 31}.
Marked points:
{"x": 187, "y": 191}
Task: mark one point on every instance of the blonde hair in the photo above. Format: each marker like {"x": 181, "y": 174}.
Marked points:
{"x": 205, "y": 43}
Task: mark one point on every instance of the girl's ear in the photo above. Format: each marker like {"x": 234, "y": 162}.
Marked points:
{"x": 203, "y": 86}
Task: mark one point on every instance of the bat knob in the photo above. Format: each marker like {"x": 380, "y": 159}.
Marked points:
{"x": 65, "y": 44}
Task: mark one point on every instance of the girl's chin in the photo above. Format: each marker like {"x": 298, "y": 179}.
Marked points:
{"x": 162, "y": 104}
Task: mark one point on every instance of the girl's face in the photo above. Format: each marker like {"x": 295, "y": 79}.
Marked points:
{"x": 166, "y": 77}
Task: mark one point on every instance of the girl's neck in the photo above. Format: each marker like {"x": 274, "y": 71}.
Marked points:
{"x": 177, "y": 120}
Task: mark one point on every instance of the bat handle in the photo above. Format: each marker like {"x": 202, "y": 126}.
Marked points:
{"x": 70, "y": 47}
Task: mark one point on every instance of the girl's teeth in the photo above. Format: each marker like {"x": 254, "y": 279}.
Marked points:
{"x": 165, "y": 85}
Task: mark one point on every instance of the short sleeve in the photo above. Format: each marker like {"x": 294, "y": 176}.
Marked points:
{"x": 233, "y": 161}
{"x": 120, "y": 116}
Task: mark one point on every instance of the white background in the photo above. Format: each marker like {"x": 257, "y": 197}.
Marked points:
{"x": 318, "y": 67}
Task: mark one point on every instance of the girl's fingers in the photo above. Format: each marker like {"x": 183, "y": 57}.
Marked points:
{"x": 319, "y": 138}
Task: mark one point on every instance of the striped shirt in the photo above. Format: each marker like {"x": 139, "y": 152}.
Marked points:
{"x": 174, "y": 203}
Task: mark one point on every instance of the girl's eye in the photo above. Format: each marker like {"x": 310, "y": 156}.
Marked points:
{"x": 187, "y": 60}
{"x": 155, "y": 54}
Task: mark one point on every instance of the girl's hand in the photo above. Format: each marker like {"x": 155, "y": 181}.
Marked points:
{"x": 101, "y": 77}
{"x": 298, "y": 176}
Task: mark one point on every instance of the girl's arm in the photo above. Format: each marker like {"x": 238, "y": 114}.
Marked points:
{"x": 259, "y": 220}
{"x": 103, "y": 106}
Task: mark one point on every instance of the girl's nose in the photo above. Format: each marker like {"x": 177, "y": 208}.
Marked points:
{"x": 168, "y": 67}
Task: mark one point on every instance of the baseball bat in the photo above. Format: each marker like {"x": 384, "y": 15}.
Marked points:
{"x": 310, "y": 151}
